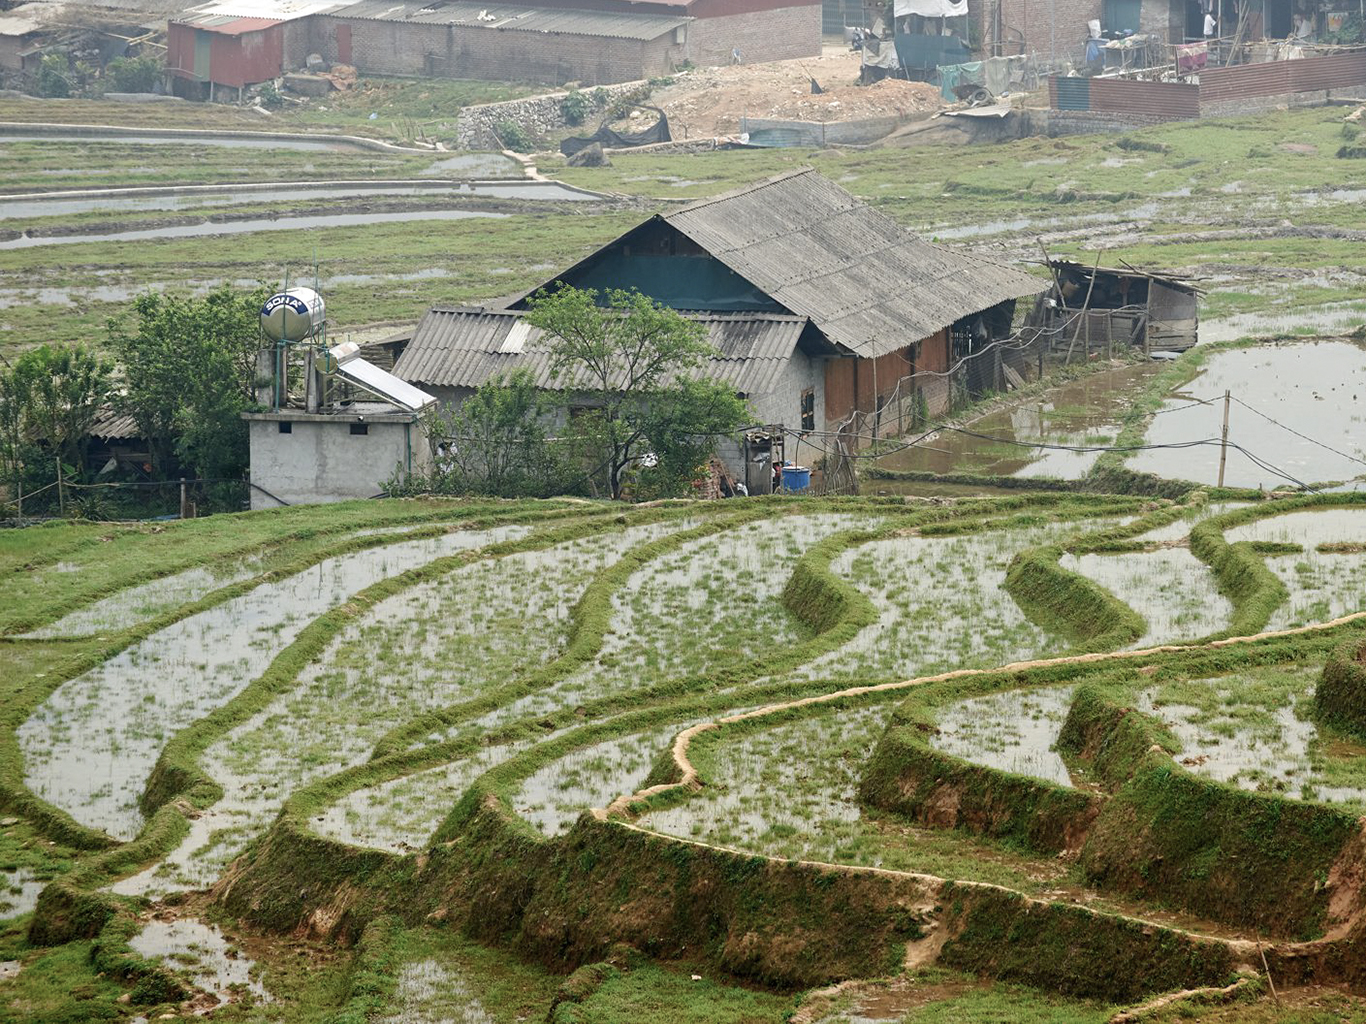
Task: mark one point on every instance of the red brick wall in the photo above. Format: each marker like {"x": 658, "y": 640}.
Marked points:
{"x": 759, "y": 36}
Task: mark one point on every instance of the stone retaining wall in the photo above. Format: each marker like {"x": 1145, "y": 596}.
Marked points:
{"x": 538, "y": 116}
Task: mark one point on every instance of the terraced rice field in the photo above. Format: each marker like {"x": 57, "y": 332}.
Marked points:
{"x": 444, "y": 753}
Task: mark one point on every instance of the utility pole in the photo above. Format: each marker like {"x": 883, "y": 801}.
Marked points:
{"x": 1223, "y": 443}
{"x": 61, "y": 494}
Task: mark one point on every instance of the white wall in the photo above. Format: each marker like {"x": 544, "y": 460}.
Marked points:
{"x": 323, "y": 461}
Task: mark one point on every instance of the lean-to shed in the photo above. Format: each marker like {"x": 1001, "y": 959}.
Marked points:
{"x": 1124, "y": 306}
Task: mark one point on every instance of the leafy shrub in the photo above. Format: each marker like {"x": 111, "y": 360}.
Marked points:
{"x": 513, "y": 136}
{"x": 133, "y": 74}
{"x": 54, "y": 79}
{"x": 575, "y": 107}
{"x": 270, "y": 97}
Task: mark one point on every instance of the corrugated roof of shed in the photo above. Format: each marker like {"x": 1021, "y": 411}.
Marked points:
{"x": 517, "y": 18}
{"x": 460, "y": 347}
{"x": 866, "y": 282}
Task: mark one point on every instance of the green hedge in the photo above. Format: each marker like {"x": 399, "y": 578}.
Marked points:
{"x": 1065, "y": 602}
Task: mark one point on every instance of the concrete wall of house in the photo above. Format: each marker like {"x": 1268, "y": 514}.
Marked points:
{"x": 779, "y": 34}
{"x": 783, "y": 404}
{"x": 323, "y": 461}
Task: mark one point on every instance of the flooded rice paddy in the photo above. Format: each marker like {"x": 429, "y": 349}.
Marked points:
{"x": 242, "y": 227}
{"x": 789, "y": 791}
{"x": 1257, "y": 733}
{"x": 553, "y": 798}
{"x": 429, "y": 992}
{"x": 401, "y": 814}
{"x": 941, "y": 604}
{"x": 1327, "y": 578}
{"x": 408, "y": 655}
{"x": 138, "y": 199}
{"x": 148, "y": 600}
{"x": 1015, "y": 731}
{"x": 19, "y": 891}
{"x": 90, "y": 746}
{"x": 1286, "y": 383}
{"x": 1173, "y": 590}
{"x": 713, "y": 602}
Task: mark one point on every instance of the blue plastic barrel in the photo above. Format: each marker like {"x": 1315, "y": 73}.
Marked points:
{"x": 796, "y": 478}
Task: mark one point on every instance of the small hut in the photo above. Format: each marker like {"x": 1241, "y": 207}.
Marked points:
{"x": 1120, "y": 306}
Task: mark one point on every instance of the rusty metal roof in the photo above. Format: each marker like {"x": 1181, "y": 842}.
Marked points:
{"x": 464, "y": 347}
{"x": 866, "y": 282}
{"x": 516, "y": 18}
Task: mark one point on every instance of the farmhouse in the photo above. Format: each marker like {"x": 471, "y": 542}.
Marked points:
{"x": 818, "y": 306}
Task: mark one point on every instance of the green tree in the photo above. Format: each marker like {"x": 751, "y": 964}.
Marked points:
{"x": 66, "y": 388}
{"x": 495, "y": 443}
{"x": 189, "y": 369}
{"x": 54, "y": 76}
{"x": 133, "y": 74}
{"x": 16, "y": 398}
{"x": 638, "y": 366}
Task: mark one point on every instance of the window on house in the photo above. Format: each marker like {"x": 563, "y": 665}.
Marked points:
{"x": 809, "y": 409}
{"x": 286, "y": 428}
{"x": 360, "y": 428}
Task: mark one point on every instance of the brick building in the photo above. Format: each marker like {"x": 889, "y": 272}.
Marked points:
{"x": 594, "y": 42}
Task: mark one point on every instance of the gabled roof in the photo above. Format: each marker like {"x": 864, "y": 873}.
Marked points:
{"x": 464, "y": 347}
{"x": 865, "y": 281}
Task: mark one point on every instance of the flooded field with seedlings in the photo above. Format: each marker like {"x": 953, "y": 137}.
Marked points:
{"x": 570, "y": 719}
{"x": 1057, "y": 716}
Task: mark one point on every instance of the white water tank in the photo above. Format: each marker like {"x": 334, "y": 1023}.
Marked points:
{"x": 293, "y": 315}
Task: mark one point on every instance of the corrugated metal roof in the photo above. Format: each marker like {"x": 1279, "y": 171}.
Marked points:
{"x": 226, "y": 24}
{"x": 518, "y": 18}
{"x": 465, "y": 347}
{"x": 865, "y": 281}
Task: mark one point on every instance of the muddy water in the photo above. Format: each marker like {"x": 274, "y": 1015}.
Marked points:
{"x": 211, "y": 961}
{"x": 1081, "y": 413}
{"x": 19, "y": 892}
{"x": 41, "y": 206}
{"x": 1016, "y": 731}
{"x": 1316, "y": 388}
{"x": 240, "y": 227}
{"x": 90, "y": 746}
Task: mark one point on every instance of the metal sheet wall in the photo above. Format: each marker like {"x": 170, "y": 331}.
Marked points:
{"x": 1281, "y": 77}
{"x": 1172, "y": 100}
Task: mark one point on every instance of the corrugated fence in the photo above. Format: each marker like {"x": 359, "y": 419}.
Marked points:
{"x": 1173, "y": 100}
{"x": 1282, "y": 77}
